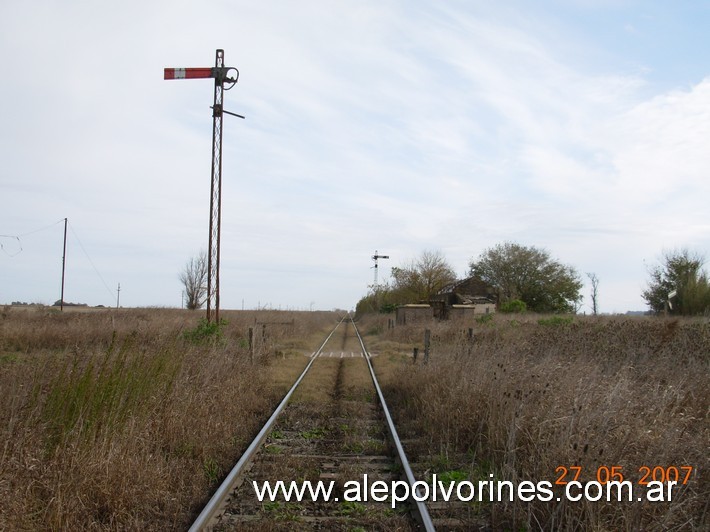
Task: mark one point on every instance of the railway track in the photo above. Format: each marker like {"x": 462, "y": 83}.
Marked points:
{"x": 333, "y": 430}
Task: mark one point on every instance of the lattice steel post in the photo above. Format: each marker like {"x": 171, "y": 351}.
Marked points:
{"x": 215, "y": 193}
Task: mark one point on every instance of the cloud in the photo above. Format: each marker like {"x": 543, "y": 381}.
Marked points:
{"x": 369, "y": 126}
{"x": 662, "y": 141}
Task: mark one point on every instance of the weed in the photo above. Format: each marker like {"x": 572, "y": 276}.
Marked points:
{"x": 273, "y": 449}
{"x": 314, "y": 434}
{"x": 555, "y": 321}
{"x": 211, "y": 469}
{"x": 88, "y": 399}
{"x": 441, "y": 462}
{"x": 455, "y": 476}
{"x": 352, "y": 508}
{"x": 206, "y": 332}
{"x": 375, "y": 446}
{"x": 8, "y": 358}
{"x": 286, "y": 511}
{"x": 271, "y": 507}
{"x": 396, "y": 468}
{"x": 483, "y": 319}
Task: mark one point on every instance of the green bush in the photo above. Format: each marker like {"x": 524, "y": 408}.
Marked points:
{"x": 206, "y": 331}
{"x": 513, "y": 306}
{"x": 388, "y": 308}
{"x": 484, "y": 318}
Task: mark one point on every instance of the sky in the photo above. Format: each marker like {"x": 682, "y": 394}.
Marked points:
{"x": 576, "y": 126}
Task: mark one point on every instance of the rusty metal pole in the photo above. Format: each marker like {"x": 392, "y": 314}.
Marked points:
{"x": 220, "y": 73}
{"x": 215, "y": 193}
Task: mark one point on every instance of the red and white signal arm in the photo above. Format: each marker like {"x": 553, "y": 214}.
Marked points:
{"x": 188, "y": 73}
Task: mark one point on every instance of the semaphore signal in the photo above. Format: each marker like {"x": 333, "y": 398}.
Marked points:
{"x": 376, "y": 257}
{"x": 222, "y": 82}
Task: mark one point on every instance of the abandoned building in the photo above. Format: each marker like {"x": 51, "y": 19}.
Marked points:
{"x": 414, "y": 313}
{"x": 467, "y": 298}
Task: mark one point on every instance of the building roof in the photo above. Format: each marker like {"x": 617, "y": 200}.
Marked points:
{"x": 470, "y": 289}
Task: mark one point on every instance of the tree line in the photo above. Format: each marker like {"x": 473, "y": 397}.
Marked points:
{"x": 529, "y": 278}
{"x": 520, "y": 277}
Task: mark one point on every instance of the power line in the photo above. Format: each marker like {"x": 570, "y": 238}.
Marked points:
{"x": 19, "y": 238}
{"x": 91, "y": 262}
{"x": 42, "y": 228}
{"x": 19, "y": 245}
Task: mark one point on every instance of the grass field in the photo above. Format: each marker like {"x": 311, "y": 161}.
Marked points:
{"x": 116, "y": 420}
{"x": 128, "y": 419}
{"x": 536, "y": 398}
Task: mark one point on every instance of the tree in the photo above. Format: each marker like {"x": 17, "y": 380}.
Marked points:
{"x": 530, "y": 275}
{"x": 194, "y": 279}
{"x": 680, "y": 272}
{"x": 379, "y": 299}
{"x": 595, "y": 288}
{"x": 422, "y": 278}
{"x": 414, "y": 282}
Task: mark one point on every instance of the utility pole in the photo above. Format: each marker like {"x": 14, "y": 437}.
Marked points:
{"x": 64, "y": 263}
{"x": 222, "y": 82}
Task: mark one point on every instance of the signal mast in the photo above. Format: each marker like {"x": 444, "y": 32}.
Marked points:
{"x": 222, "y": 82}
{"x": 375, "y": 257}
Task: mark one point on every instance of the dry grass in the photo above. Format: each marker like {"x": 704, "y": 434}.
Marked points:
{"x": 112, "y": 420}
{"x": 529, "y": 395}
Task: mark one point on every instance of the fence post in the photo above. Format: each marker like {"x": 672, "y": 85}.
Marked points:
{"x": 415, "y": 354}
{"x": 251, "y": 344}
{"x": 427, "y": 342}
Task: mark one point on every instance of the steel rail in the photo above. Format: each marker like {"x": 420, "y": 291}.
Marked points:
{"x": 215, "y": 503}
{"x": 422, "y": 510}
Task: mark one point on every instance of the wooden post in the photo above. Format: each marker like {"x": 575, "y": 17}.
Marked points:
{"x": 64, "y": 263}
{"x": 427, "y": 343}
{"x": 251, "y": 344}
{"x": 415, "y": 353}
